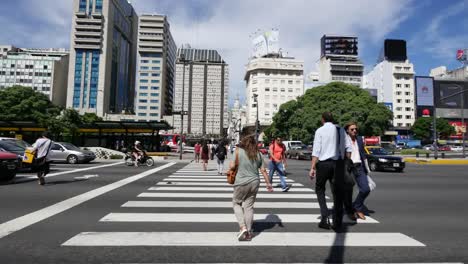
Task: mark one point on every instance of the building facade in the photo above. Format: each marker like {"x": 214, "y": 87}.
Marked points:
{"x": 44, "y": 70}
{"x": 101, "y": 75}
{"x": 275, "y": 80}
{"x": 393, "y": 77}
{"x": 237, "y": 120}
{"x": 201, "y": 90}
{"x": 155, "y": 68}
{"x": 339, "y": 61}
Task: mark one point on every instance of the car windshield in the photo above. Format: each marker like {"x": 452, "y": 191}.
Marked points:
{"x": 21, "y": 143}
{"x": 378, "y": 151}
{"x": 10, "y": 146}
{"x": 70, "y": 146}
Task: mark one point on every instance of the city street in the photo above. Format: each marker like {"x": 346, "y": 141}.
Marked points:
{"x": 174, "y": 212}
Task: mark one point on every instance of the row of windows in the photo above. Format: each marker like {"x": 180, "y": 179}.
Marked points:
{"x": 145, "y": 68}
{"x": 406, "y": 93}
{"x": 401, "y": 124}
{"x": 408, "y": 101}
{"x": 27, "y": 66}
{"x": 146, "y": 81}
{"x": 407, "y": 117}
{"x": 280, "y": 73}
{"x": 141, "y": 107}
{"x": 152, "y": 74}
{"x": 37, "y": 74}
{"x": 406, "y": 109}
{"x": 151, "y": 114}
{"x": 152, "y": 94}
{"x": 152, "y": 61}
{"x": 36, "y": 88}
{"x": 153, "y": 101}
{"x": 254, "y": 81}
{"x": 399, "y": 68}
{"x": 275, "y": 89}
{"x": 398, "y": 85}
{"x": 146, "y": 87}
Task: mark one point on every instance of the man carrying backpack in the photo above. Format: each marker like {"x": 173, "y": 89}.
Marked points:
{"x": 221, "y": 154}
{"x": 278, "y": 162}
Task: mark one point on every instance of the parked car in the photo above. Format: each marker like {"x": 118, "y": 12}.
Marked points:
{"x": 456, "y": 148}
{"x": 428, "y": 147}
{"x": 290, "y": 144}
{"x": 67, "y": 152}
{"x": 263, "y": 150}
{"x": 9, "y": 163}
{"x": 299, "y": 152}
{"x": 444, "y": 148}
{"x": 380, "y": 159}
{"x": 18, "y": 142}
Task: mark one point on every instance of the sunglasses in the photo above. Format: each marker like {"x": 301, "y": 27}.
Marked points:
{"x": 353, "y": 129}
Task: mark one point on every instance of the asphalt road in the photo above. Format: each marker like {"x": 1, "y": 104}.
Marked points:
{"x": 107, "y": 213}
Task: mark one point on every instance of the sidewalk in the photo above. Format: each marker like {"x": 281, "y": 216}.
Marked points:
{"x": 437, "y": 161}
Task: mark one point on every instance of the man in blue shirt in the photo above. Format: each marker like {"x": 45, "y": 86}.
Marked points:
{"x": 330, "y": 145}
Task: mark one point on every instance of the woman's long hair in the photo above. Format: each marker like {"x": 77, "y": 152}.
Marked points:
{"x": 249, "y": 145}
{"x": 205, "y": 148}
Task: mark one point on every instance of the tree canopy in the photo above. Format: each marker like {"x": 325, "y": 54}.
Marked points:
{"x": 298, "y": 119}
{"x": 422, "y": 128}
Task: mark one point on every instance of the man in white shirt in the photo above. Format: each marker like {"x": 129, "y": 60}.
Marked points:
{"x": 42, "y": 147}
{"x": 327, "y": 150}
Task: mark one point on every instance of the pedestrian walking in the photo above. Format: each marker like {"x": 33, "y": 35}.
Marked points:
{"x": 232, "y": 149}
{"x": 197, "y": 150}
{"x": 330, "y": 147}
{"x": 212, "y": 152}
{"x": 278, "y": 162}
{"x": 41, "y": 148}
{"x": 205, "y": 155}
{"x": 221, "y": 155}
{"x": 358, "y": 156}
{"x": 246, "y": 185}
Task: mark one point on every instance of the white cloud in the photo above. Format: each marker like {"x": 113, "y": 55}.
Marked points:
{"x": 225, "y": 25}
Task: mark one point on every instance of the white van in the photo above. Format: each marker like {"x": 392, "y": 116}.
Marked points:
{"x": 294, "y": 143}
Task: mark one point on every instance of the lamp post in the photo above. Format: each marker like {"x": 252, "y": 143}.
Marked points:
{"x": 181, "y": 148}
{"x": 462, "y": 109}
{"x": 257, "y": 125}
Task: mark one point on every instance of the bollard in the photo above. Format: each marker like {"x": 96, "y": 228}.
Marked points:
{"x": 443, "y": 155}
{"x": 417, "y": 154}
{"x": 427, "y": 155}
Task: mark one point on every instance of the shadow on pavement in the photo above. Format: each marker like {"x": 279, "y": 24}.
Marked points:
{"x": 269, "y": 222}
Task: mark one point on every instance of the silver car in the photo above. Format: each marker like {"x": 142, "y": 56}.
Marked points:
{"x": 63, "y": 151}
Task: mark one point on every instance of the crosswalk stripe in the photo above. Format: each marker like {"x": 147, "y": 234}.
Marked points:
{"x": 220, "y": 218}
{"x": 212, "y": 179}
{"x": 209, "y": 204}
{"x": 227, "y": 189}
{"x": 208, "y": 184}
{"x": 227, "y": 195}
{"x": 230, "y": 239}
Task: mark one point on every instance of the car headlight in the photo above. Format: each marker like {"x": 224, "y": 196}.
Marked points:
{"x": 383, "y": 160}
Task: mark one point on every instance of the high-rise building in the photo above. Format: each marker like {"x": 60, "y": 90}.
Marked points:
{"x": 456, "y": 74}
{"x": 44, "y": 70}
{"x": 155, "y": 68}
{"x": 203, "y": 76}
{"x": 393, "y": 77}
{"x": 339, "y": 61}
{"x": 275, "y": 80}
{"x": 101, "y": 75}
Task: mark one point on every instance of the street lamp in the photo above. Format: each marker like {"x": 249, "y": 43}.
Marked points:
{"x": 181, "y": 148}
{"x": 462, "y": 109}
{"x": 257, "y": 125}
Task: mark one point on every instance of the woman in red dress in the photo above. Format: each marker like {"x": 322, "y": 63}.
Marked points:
{"x": 205, "y": 154}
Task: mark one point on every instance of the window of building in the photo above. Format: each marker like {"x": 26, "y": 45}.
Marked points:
{"x": 407, "y": 68}
{"x": 254, "y": 90}
{"x": 290, "y": 90}
{"x": 398, "y": 100}
{"x": 144, "y": 74}
{"x": 154, "y": 107}
{"x": 399, "y": 116}
{"x": 267, "y": 89}
{"x": 398, "y": 108}
{"x": 143, "y": 87}
{"x": 154, "y": 101}
{"x": 155, "y": 74}
{"x": 154, "y": 81}
{"x": 144, "y": 61}
{"x": 399, "y": 124}
{"x": 143, "y": 94}
{"x": 141, "y": 114}
{"x": 275, "y": 89}
{"x": 408, "y": 109}
{"x": 144, "y": 68}
{"x": 155, "y": 68}
{"x": 408, "y": 124}
{"x": 407, "y": 101}
{"x": 45, "y": 67}
{"x": 275, "y": 106}
{"x": 267, "y": 113}
{"x": 290, "y": 82}
{"x": 267, "y": 80}
{"x": 407, "y": 93}
{"x": 143, "y": 101}
{"x": 408, "y": 117}
{"x": 398, "y": 68}
{"x": 283, "y": 90}
{"x": 142, "y": 107}
{"x": 407, "y": 86}
{"x": 154, "y": 114}
{"x": 398, "y": 85}
{"x": 254, "y": 81}
{"x": 143, "y": 81}
{"x": 398, "y": 93}
{"x": 156, "y": 61}
{"x": 154, "y": 87}
{"x": 154, "y": 94}
{"x": 283, "y": 81}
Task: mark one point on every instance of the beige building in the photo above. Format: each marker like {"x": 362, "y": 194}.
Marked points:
{"x": 44, "y": 70}
{"x": 156, "y": 56}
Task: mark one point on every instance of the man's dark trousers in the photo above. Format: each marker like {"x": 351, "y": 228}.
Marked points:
{"x": 325, "y": 172}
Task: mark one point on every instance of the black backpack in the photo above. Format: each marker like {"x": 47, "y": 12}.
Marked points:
{"x": 221, "y": 153}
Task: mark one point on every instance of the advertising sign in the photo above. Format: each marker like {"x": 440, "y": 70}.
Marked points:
{"x": 459, "y": 129}
{"x": 424, "y": 91}
{"x": 424, "y": 111}
{"x": 266, "y": 43}
{"x": 461, "y": 55}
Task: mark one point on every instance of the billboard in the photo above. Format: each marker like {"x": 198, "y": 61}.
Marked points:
{"x": 447, "y": 94}
{"x": 459, "y": 129}
{"x": 266, "y": 43}
{"x": 424, "y": 91}
{"x": 424, "y": 111}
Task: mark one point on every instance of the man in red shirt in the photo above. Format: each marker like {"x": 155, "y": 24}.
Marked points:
{"x": 197, "y": 149}
{"x": 278, "y": 162}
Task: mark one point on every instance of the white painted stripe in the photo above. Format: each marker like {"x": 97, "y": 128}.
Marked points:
{"x": 34, "y": 217}
{"x": 285, "y": 239}
{"x": 227, "y": 189}
{"x": 207, "y": 204}
{"x": 286, "y": 195}
{"x": 209, "y": 184}
{"x": 220, "y": 218}
{"x": 199, "y": 179}
{"x": 28, "y": 177}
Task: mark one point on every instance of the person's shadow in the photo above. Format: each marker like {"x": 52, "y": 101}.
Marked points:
{"x": 270, "y": 221}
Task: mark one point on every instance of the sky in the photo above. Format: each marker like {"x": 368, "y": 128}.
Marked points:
{"x": 433, "y": 29}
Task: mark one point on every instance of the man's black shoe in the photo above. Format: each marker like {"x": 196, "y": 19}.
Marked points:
{"x": 324, "y": 224}
{"x": 338, "y": 228}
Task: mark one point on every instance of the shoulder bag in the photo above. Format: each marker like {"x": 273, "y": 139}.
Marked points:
{"x": 232, "y": 172}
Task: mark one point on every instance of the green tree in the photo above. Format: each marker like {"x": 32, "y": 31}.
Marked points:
{"x": 298, "y": 119}
{"x": 89, "y": 118}
{"x": 422, "y": 128}
{"x": 19, "y": 103}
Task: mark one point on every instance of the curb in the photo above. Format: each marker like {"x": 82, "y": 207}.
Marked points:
{"x": 437, "y": 162}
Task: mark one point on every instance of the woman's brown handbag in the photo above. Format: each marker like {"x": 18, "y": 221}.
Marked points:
{"x": 231, "y": 173}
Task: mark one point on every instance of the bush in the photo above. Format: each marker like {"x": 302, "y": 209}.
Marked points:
{"x": 414, "y": 151}
{"x": 116, "y": 156}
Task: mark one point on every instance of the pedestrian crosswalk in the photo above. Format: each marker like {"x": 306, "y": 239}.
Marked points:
{"x": 198, "y": 197}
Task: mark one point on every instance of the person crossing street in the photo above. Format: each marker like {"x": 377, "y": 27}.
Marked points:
{"x": 278, "y": 162}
